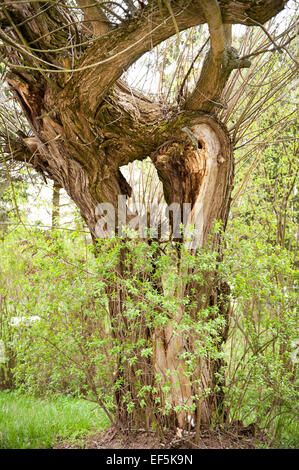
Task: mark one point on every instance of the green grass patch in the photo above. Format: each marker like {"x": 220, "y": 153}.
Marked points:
{"x": 34, "y": 423}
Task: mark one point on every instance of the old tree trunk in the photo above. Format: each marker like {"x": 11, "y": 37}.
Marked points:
{"x": 85, "y": 124}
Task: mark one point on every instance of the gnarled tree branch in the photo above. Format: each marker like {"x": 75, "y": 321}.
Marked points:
{"x": 219, "y": 62}
{"x": 112, "y": 54}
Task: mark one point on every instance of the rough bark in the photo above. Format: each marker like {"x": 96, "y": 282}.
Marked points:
{"x": 55, "y": 204}
{"x": 85, "y": 124}
{"x": 201, "y": 176}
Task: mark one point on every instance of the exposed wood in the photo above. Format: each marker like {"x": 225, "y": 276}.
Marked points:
{"x": 203, "y": 177}
{"x": 85, "y": 124}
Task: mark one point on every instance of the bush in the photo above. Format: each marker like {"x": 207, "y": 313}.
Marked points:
{"x": 74, "y": 347}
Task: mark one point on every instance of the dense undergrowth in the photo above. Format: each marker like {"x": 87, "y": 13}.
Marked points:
{"x": 32, "y": 423}
{"x": 57, "y": 335}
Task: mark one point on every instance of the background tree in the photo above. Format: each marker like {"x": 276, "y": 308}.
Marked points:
{"x": 64, "y": 64}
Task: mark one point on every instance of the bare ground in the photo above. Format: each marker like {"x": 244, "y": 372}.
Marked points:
{"x": 236, "y": 437}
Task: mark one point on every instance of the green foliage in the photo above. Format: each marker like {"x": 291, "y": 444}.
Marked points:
{"x": 73, "y": 346}
{"x": 66, "y": 348}
{"x": 31, "y": 423}
{"x": 262, "y": 381}
{"x": 85, "y": 345}
{"x": 262, "y": 270}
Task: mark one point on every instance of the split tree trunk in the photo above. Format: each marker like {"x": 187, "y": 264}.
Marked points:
{"x": 85, "y": 124}
{"x": 202, "y": 177}
{"x": 193, "y": 157}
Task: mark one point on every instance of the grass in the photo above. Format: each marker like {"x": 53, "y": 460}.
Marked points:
{"x": 32, "y": 423}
